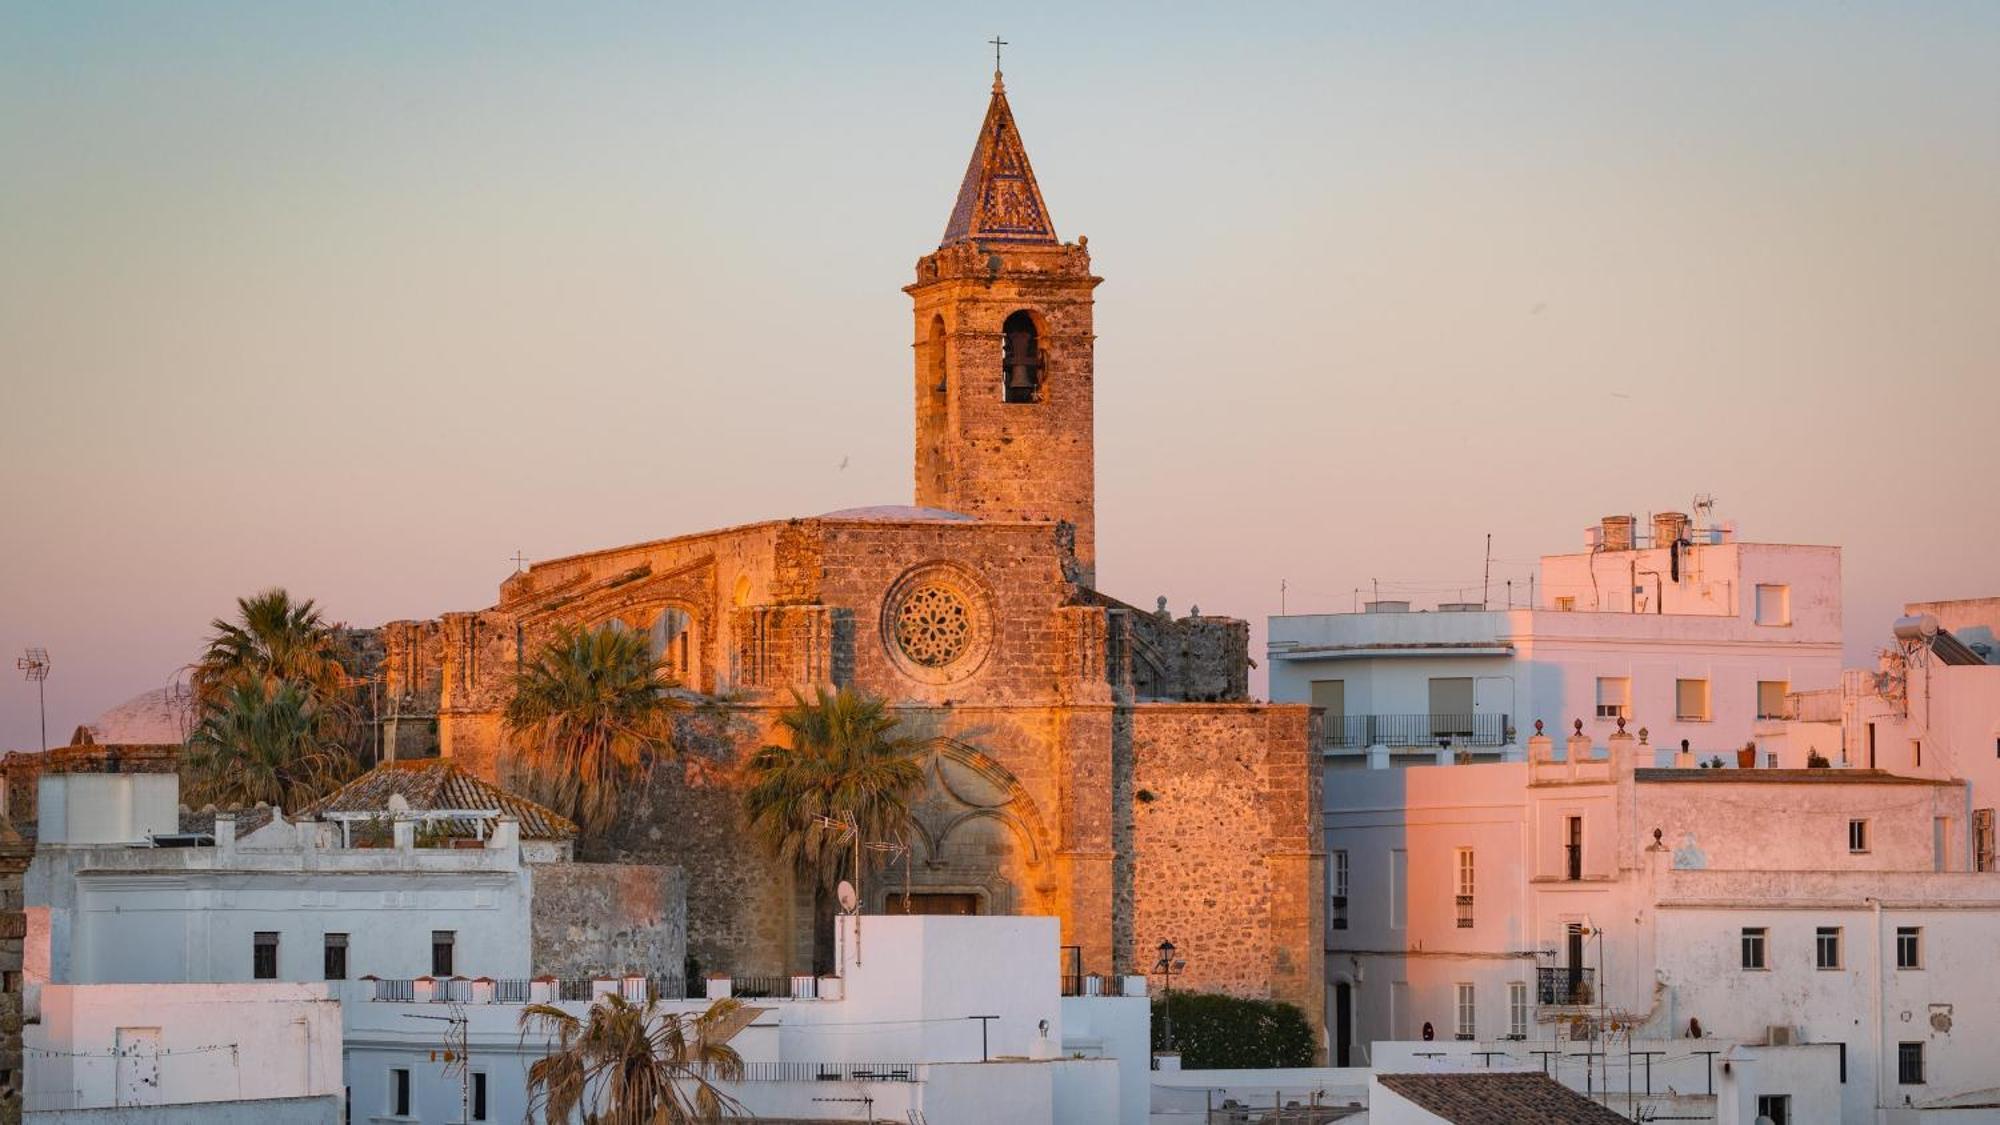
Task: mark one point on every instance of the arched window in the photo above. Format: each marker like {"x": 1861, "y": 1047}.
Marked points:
{"x": 934, "y": 357}
{"x": 672, "y": 640}
{"x": 1022, "y": 359}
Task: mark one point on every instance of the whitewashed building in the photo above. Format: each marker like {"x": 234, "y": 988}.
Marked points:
{"x": 1701, "y": 634}
{"x": 940, "y": 1019}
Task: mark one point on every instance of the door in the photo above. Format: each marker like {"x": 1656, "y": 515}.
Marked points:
{"x": 1574, "y": 963}
{"x": 933, "y": 903}
{"x": 1451, "y": 706}
{"x": 1343, "y": 1022}
{"x": 137, "y": 1074}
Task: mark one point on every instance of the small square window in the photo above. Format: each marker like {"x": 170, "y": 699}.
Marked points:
{"x": 1753, "y": 947}
{"x": 336, "y": 957}
{"x": 1614, "y": 697}
{"x": 1691, "y": 701}
{"x": 1910, "y": 1064}
{"x": 1826, "y": 947}
{"x": 1771, "y": 699}
{"x": 442, "y": 942}
{"x": 1909, "y": 947}
{"x": 1774, "y": 604}
{"x": 399, "y": 1092}
{"x": 1566, "y": 605}
{"x": 264, "y": 956}
{"x": 1776, "y": 1107}
{"x": 1857, "y": 836}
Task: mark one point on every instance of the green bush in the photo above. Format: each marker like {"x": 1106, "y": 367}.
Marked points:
{"x": 1215, "y": 1032}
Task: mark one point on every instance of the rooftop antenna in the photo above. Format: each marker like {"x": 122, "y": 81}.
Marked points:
{"x": 34, "y": 666}
{"x": 457, "y": 1052}
{"x": 1704, "y": 511}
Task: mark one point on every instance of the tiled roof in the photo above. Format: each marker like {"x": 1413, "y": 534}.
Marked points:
{"x": 999, "y": 202}
{"x": 436, "y": 785}
{"x": 1500, "y": 1098}
{"x": 1848, "y": 776}
{"x": 247, "y": 820}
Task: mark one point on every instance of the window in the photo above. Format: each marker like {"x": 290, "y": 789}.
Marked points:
{"x": 1826, "y": 947}
{"x": 1451, "y": 706}
{"x": 1021, "y": 360}
{"x": 1910, "y": 1064}
{"x": 399, "y": 1092}
{"x": 1909, "y": 947}
{"x": 1983, "y": 839}
{"x": 1467, "y": 1026}
{"x": 1338, "y": 912}
{"x": 478, "y": 1095}
{"x": 1566, "y": 605}
{"x": 1857, "y": 836}
{"x": 264, "y": 956}
{"x": 671, "y": 637}
{"x": 1771, "y": 698}
{"x": 1517, "y": 1010}
{"x": 1917, "y": 752}
{"x": 1465, "y": 882}
{"x": 1330, "y": 696}
{"x": 1691, "y": 701}
{"x": 1573, "y": 848}
{"x": 1753, "y": 947}
{"x": 336, "y": 956}
{"x": 1774, "y": 604}
{"x": 441, "y": 943}
{"x": 1614, "y": 697}
{"x": 1777, "y": 1107}
{"x": 1399, "y": 869}
{"x": 1871, "y": 746}
{"x": 1940, "y": 843}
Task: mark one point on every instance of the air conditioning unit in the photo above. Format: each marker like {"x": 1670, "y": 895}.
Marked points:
{"x": 1777, "y": 1036}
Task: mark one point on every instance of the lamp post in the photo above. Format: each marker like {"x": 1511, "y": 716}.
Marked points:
{"x": 1167, "y": 967}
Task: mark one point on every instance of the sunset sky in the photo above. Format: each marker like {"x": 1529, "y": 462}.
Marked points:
{"x": 360, "y": 299}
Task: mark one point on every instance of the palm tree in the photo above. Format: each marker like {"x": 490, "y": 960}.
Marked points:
{"x": 587, "y": 716}
{"x": 272, "y": 637}
{"x": 846, "y": 766}
{"x": 627, "y": 1064}
{"x": 264, "y": 741}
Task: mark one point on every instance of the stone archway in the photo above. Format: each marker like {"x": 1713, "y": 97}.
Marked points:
{"x": 975, "y": 831}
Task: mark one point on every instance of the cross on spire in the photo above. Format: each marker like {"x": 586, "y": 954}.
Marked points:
{"x": 520, "y": 561}
{"x": 997, "y": 44}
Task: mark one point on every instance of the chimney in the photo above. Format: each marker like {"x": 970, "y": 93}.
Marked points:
{"x": 225, "y": 832}
{"x": 1617, "y": 533}
{"x": 506, "y": 833}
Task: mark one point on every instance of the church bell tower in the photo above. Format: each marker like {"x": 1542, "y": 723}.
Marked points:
{"x": 1003, "y": 352}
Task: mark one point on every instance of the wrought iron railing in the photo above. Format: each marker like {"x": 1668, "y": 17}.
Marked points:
{"x": 1355, "y": 732}
{"x": 1464, "y": 912}
{"x": 1560, "y": 987}
{"x": 829, "y": 1072}
{"x": 1337, "y": 914}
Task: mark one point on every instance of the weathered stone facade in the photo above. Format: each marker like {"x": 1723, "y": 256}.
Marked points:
{"x": 1084, "y": 758}
{"x": 590, "y": 918}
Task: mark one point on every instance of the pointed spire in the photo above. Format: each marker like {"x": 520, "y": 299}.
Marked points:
{"x": 999, "y": 202}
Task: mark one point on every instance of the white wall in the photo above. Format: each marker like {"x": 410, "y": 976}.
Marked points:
{"x": 106, "y": 808}
{"x": 214, "y": 1043}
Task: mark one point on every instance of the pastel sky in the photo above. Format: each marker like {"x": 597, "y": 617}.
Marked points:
{"x": 362, "y": 298}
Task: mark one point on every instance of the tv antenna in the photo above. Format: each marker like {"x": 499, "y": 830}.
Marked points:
{"x": 457, "y": 1052}
{"x": 34, "y": 666}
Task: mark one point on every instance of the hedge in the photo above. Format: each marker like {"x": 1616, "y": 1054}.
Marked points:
{"x": 1216, "y": 1032}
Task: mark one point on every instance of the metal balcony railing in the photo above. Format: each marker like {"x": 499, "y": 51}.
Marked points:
{"x": 1357, "y": 732}
{"x": 1464, "y": 912}
{"x": 1565, "y": 987}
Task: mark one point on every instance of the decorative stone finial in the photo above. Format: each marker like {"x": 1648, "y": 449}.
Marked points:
{"x": 1642, "y": 736}
{"x": 1538, "y": 728}
{"x": 1579, "y": 726}
{"x": 1621, "y": 724}
{"x": 1161, "y": 606}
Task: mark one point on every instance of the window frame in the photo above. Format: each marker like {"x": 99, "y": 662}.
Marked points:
{"x": 328, "y": 944}
{"x": 402, "y": 1091}
{"x": 1821, "y": 937}
{"x": 444, "y": 942}
{"x": 1780, "y": 1102}
{"x": 1756, "y": 938}
{"x": 1620, "y": 708}
{"x": 1707, "y": 700}
{"x": 1907, "y": 1051}
{"x": 1914, "y": 961}
{"x": 261, "y": 940}
{"x": 1468, "y": 873}
{"x": 1784, "y": 689}
{"x": 1783, "y": 607}
{"x": 1466, "y": 1012}
{"x": 479, "y": 1096}
{"x": 1337, "y": 901}
{"x": 1517, "y": 1009}
{"x": 1857, "y": 836}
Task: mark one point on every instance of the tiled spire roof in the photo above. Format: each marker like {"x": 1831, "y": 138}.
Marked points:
{"x": 999, "y": 202}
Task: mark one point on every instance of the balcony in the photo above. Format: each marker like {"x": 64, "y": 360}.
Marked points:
{"x": 1358, "y": 732}
{"x": 1559, "y": 988}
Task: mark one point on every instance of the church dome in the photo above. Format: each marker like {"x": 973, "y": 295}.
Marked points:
{"x": 895, "y": 513}
{"x": 153, "y": 718}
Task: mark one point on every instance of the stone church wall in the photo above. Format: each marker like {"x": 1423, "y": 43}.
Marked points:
{"x": 1229, "y": 857}
{"x": 595, "y": 918}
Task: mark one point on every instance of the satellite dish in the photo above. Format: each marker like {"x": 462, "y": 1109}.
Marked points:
{"x": 849, "y": 901}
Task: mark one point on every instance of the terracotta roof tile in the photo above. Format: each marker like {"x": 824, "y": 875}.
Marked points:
{"x": 1499, "y": 1098}
{"x": 436, "y": 785}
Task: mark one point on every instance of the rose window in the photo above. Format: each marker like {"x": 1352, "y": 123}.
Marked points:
{"x": 933, "y": 626}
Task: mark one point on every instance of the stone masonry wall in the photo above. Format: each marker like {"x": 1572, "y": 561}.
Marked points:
{"x": 591, "y": 918}
{"x": 1228, "y": 853}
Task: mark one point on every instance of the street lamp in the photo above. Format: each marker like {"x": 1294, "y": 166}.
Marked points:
{"x": 1167, "y": 967}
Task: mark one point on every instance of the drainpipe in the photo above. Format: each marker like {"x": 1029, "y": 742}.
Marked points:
{"x": 1875, "y": 1008}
